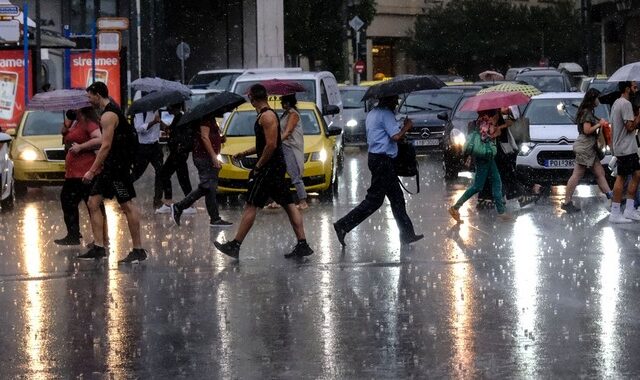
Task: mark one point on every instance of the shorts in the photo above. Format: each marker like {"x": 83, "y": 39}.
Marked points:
{"x": 269, "y": 183}
{"x": 109, "y": 186}
{"x": 627, "y": 165}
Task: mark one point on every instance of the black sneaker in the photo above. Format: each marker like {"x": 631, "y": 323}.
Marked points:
{"x": 220, "y": 223}
{"x": 301, "y": 249}
{"x": 134, "y": 257}
{"x": 68, "y": 240}
{"x": 340, "y": 233}
{"x": 230, "y": 248}
{"x": 528, "y": 199}
{"x": 570, "y": 208}
{"x": 411, "y": 239}
{"x": 95, "y": 253}
{"x": 176, "y": 212}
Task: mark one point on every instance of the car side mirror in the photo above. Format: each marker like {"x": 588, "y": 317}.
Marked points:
{"x": 334, "y": 131}
{"x": 11, "y": 132}
{"x": 330, "y": 109}
{"x": 443, "y": 115}
{"x": 4, "y": 138}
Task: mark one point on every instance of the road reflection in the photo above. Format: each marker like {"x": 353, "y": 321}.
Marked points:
{"x": 34, "y": 306}
{"x": 525, "y": 256}
{"x": 117, "y": 323}
{"x": 609, "y": 289}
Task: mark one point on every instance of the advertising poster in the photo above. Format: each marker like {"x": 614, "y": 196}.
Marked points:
{"x": 12, "y": 87}
{"x": 107, "y": 71}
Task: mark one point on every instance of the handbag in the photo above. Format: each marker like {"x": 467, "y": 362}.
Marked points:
{"x": 477, "y": 148}
{"x": 406, "y": 164}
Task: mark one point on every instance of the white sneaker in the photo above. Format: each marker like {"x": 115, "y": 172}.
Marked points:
{"x": 189, "y": 211}
{"x": 631, "y": 214}
{"x": 618, "y": 218}
{"x": 163, "y": 210}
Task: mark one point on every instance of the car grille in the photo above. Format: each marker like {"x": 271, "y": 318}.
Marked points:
{"x": 248, "y": 162}
{"x": 555, "y": 155}
{"x": 435, "y": 132}
{"x": 55, "y": 154}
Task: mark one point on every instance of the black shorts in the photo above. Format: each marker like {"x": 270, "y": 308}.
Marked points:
{"x": 109, "y": 186}
{"x": 628, "y": 164}
{"x": 269, "y": 183}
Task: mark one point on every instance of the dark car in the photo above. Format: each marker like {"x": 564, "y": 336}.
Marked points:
{"x": 353, "y": 115}
{"x": 423, "y": 107}
{"x": 455, "y": 135}
{"x": 549, "y": 80}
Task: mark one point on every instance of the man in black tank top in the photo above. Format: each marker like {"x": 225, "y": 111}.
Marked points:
{"x": 111, "y": 175}
{"x": 267, "y": 179}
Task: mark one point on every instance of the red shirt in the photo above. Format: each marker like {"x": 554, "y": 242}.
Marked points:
{"x": 77, "y": 164}
{"x": 199, "y": 151}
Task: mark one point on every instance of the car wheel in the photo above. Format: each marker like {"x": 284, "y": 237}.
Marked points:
{"x": 332, "y": 190}
{"x": 19, "y": 189}
{"x": 8, "y": 203}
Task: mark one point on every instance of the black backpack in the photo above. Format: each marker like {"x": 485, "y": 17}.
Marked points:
{"x": 406, "y": 164}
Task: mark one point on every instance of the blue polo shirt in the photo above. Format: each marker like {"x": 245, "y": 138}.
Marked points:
{"x": 381, "y": 124}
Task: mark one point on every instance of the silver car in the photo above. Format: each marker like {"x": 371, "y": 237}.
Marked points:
{"x": 548, "y": 158}
{"x": 6, "y": 174}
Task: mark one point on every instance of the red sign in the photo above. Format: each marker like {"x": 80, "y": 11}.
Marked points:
{"x": 12, "y": 87}
{"x": 107, "y": 71}
{"x": 359, "y": 66}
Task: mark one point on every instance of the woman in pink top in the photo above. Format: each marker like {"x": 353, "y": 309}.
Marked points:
{"x": 81, "y": 138}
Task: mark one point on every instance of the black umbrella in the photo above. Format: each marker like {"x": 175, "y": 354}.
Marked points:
{"x": 156, "y": 100}
{"x": 403, "y": 85}
{"x": 215, "y": 105}
{"x": 609, "y": 94}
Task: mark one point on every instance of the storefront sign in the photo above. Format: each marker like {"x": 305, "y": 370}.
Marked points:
{"x": 12, "y": 87}
{"x": 107, "y": 71}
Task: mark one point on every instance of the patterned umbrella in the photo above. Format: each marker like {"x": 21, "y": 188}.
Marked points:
{"x": 149, "y": 84}
{"x": 512, "y": 87}
{"x": 59, "y": 100}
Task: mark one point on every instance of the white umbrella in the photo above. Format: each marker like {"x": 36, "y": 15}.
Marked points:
{"x": 630, "y": 72}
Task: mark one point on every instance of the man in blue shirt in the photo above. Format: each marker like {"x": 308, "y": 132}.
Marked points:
{"x": 383, "y": 134}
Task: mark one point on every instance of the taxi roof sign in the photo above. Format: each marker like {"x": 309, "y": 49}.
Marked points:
{"x": 9, "y": 10}
{"x": 113, "y": 23}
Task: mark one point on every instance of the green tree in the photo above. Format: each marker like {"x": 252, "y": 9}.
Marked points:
{"x": 317, "y": 28}
{"x": 470, "y": 36}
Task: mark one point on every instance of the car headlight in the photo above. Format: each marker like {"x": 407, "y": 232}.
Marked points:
{"x": 319, "y": 156}
{"x": 30, "y": 154}
{"x": 606, "y": 150}
{"x": 526, "y": 148}
{"x": 457, "y": 137}
{"x": 352, "y": 123}
{"x": 223, "y": 158}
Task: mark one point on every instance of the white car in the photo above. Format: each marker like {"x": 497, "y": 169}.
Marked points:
{"x": 6, "y": 174}
{"x": 548, "y": 158}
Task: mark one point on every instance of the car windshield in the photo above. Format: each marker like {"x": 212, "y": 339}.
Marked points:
{"x": 558, "y": 111}
{"x": 42, "y": 123}
{"x": 544, "y": 83}
{"x": 429, "y": 101}
{"x": 352, "y": 99}
{"x": 196, "y": 99}
{"x": 309, "y": 94}
{"x": 214, "y": 81}
{"x": 464, "y": 115}
{"x": 598, "y": 85}
{"x": 242, "y": 122}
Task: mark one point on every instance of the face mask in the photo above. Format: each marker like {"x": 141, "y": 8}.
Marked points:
{"x": 71, "y": 114}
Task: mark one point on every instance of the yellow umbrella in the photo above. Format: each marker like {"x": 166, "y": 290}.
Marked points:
{"x": 525, "y": 89}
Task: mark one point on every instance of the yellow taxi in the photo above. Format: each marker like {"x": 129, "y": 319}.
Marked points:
{"x": 37, "y": 150}
{"x": 322, "y": 149}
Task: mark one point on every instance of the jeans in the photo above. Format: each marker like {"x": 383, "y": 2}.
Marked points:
{"x": 384, "y": 182}
{"x": 176, "y": 163}
{"x": 295, "y": 170}
{"x": 207, "y": 187}
{"x": 149, "y": 154}
{"x": 484, "y": 169}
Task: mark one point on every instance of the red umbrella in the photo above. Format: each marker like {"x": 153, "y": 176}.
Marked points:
{"x": 282, "y": 87}
{"x": 494, "y": 100}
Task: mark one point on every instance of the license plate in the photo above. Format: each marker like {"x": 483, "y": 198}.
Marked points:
{"x": 559, "y": 163}
{"x": 427, "y": 142}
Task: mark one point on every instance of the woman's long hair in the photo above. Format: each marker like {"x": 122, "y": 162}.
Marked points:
{"x": 588, "y": 103}
{"x": 89, "y": 113}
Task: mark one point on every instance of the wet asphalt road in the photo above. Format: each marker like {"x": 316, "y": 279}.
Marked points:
{"x": 545, "y": 296}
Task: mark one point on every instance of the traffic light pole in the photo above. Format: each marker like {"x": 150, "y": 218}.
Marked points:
{"x": 357, "y": 74}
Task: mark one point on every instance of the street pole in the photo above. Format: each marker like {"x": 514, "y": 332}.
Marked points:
{"x": 139, "y": 37}
{"x": 37, "y": 54}
{"x": 182, "y": 59}
{"x": 25, "y": 36}
{"x": 357, "y": 75}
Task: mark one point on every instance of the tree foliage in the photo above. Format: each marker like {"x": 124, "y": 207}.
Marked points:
{"x": 317, "y": 29}
{"x": 470, "y": 36}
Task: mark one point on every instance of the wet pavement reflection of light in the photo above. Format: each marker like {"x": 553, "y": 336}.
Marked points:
{"x": 548, "y": 295}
